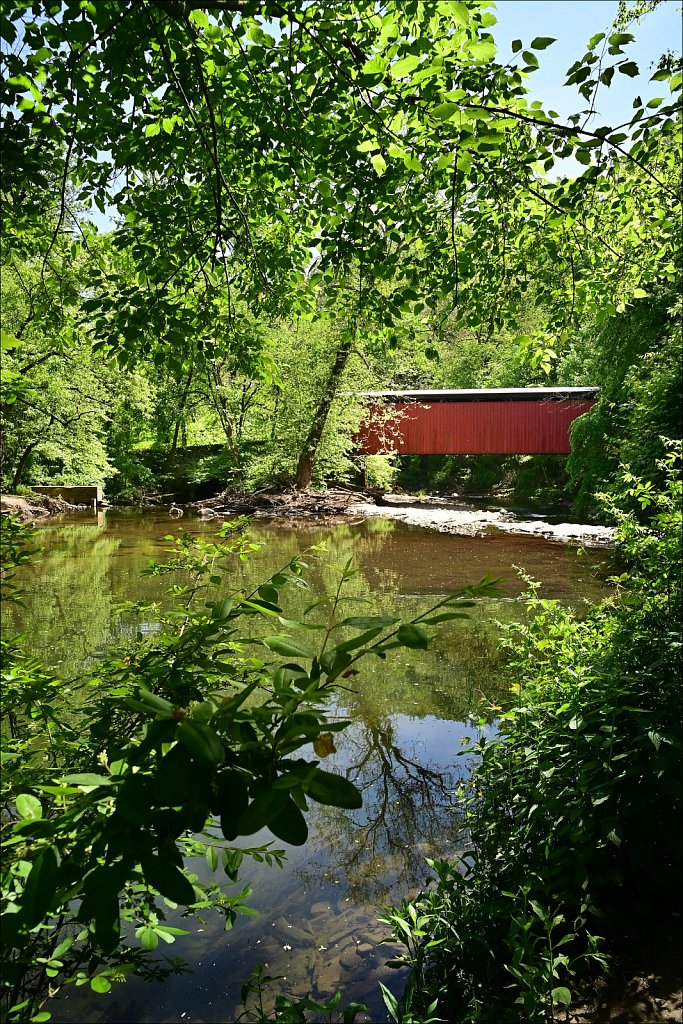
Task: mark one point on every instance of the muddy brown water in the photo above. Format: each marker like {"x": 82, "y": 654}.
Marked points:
{"x": 317, "y": 927}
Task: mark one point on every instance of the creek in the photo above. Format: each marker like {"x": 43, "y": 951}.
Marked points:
{"x": 410, "y": 716}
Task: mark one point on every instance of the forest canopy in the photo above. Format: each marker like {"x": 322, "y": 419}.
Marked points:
{"x": 304, "y": 201}
{"x": 373, "y": 165}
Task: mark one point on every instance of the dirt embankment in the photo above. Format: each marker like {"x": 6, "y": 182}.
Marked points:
{"x": 644, "y": 985}
{"x": 37, "y": 506}
{"x": 336, "y": 502}
{"x": 448, "y": 515}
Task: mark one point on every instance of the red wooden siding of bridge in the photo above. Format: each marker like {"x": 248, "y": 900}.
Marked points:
{"x": 472, "y": 426}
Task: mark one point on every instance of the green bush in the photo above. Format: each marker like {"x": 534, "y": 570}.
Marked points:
{"x": 381, "y": 471}
{"x": 577, "y": 799}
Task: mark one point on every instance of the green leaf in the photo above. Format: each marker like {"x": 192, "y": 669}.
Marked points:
{"x": 562, "y": 996}
{"x": 483, "y": 50}
{"x": 152, "y": 129}
{"x": 232, "y": 799}
{"x": 459, "y": 13}
{"x": 149, "y": 939}
{"x": 379, "y": 164}
{"x": 630, "y": 68}
{"x": 203, "y": 712}
{"x": 154, "y": 703}
{"x": 268, "y": 804}
{"x": 445, "y": 110}
{"x": 40, "y": 887}
{"x": 391, "y": 1003}
{"x": 232, "y": 860}
{"x": 290, "y": 825}
{"x": 333, "y": 790}
{"x": 541, "y": 42}
{"x": 335, "y": 661}
{"x": 294, "y": 624}
{"x": 286, "y": 647}
{"x": 29, "y": 807}
{"x": 375, "y": 66}
{"x": 86, "y": 779}
{"x": 516, "y": 45}
{"x": 222, "y": 609}
{"x": 411, "y": 635}
{"x": 404, "y": 67}
{"x": 166, "y": 877}
{"x": 100, "y": 903}
{"x": 8, "y": 341}
{"x": 444, "y": 617}
{"x": 350, "y": 645}
{"x": 100, "y": 984}
{"x": 201, "y": 741}
{"x": 199, "y": 18}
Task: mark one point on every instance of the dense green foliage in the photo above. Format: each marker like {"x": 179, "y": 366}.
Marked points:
{"x": 575, "y": 803}
{"x": 304, "y": 202}
{"x": 638, "y": 361}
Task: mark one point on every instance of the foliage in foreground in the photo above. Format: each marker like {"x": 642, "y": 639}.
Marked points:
{"x": 171, "y": 751}
{"x": 576, "y": 801}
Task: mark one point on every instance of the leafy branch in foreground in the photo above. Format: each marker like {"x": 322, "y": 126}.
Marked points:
{"x": 170, "y": 751}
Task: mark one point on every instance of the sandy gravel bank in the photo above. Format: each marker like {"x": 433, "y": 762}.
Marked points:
{"x": 452, "y": 517}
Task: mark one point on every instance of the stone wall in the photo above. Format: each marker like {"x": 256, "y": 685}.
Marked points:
{"x": 74, "y": 495}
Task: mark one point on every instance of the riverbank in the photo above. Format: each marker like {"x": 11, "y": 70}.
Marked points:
{"x": 450, "y": 516}
{"x": 36, "y": 506}
{"x": 447, "y": 515}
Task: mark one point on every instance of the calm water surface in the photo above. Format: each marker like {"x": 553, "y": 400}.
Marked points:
{"x": 318, "y": 925}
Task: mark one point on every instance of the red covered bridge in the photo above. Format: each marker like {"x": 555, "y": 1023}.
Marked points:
{"x": 490, "y": 421}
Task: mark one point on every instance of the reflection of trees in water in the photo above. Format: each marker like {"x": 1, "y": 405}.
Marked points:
{"x": 68, "y": 600}
{"x": 407, "y": 815}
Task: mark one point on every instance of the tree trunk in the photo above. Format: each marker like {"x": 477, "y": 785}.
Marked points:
{"x": 22, "y": 464}
{"x": 306, "y": 464}
{"x": 180, "y": 421}
{"x": 174, "y": 443}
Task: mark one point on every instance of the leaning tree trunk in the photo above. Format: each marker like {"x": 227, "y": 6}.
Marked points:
{"x": 306, "y": 464}
{"x": 19, "y": 473}
{"x": 181, "y": 411}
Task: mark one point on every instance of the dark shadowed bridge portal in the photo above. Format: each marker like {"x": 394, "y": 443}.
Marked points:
{"x": 490, "y": 421}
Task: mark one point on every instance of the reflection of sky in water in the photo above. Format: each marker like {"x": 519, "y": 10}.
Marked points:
{"x": 318, "y": 923}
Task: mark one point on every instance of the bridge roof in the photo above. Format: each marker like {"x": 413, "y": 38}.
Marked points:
{"x": 485, "y": 394}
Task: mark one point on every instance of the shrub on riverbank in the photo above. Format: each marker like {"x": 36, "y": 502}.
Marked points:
{"x": 571, "y": 817}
